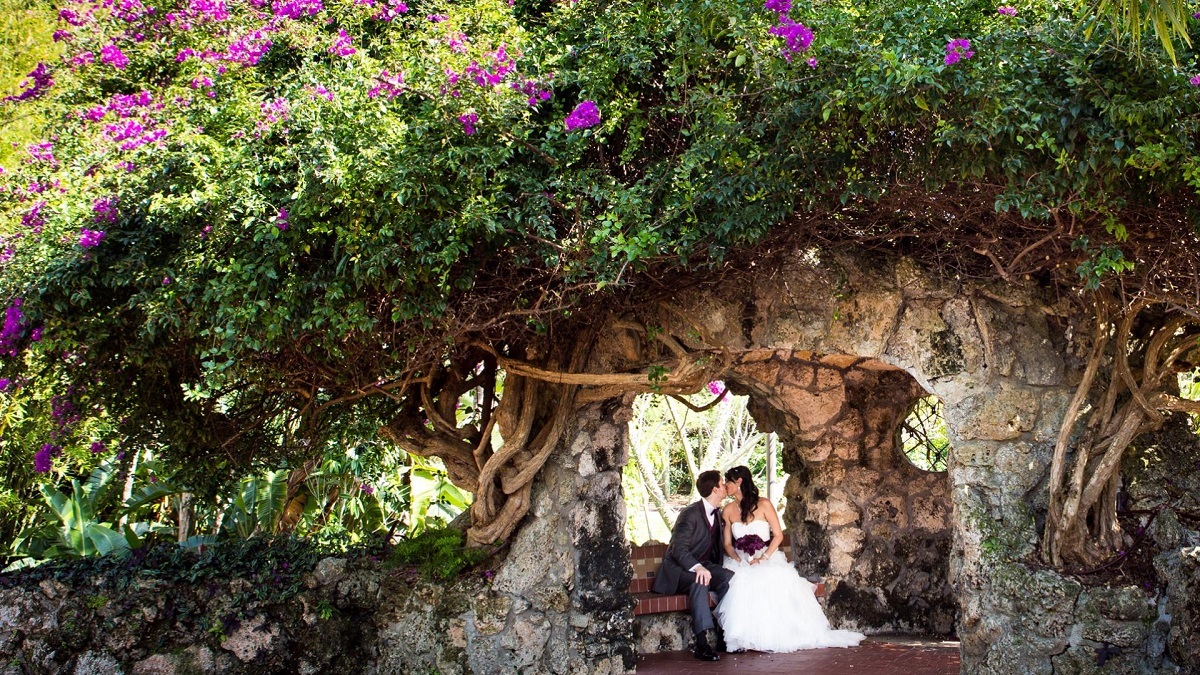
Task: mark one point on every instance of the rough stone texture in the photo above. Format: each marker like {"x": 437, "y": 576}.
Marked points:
{"x": 830, "y": 347}
{"x": 1003, "y": 360}
{"x": 558, "y": 602}
{"x": 874, "y": 526}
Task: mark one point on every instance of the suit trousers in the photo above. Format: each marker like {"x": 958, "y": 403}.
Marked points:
{"x": 702, "y": 618}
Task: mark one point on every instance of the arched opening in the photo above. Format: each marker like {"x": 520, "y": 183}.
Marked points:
{"x": 862, "y": 516}
{"x": 672, "y": 439}
{"x": 923, "y": 437}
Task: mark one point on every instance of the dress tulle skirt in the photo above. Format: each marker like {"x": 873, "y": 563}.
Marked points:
{"x": 770, "y": 608}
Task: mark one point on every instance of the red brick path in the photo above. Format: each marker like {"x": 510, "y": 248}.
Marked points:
{"x": 882, "y": 655}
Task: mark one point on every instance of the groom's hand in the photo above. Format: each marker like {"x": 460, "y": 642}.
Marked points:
{"x": 703, "y": 576}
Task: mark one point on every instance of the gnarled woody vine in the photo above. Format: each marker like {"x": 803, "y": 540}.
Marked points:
{"x": 528, "y": 407}
{"x": 1142, "y": 359}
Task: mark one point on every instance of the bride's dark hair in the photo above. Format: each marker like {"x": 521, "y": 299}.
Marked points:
{"x": 749, "y": 500}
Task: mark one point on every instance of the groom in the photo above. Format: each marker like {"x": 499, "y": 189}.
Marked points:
{"x": 692, "y": 564}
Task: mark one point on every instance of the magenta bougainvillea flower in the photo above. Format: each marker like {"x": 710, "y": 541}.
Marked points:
{"x": 36, "y": 83}
{"x": 104, "y": 210}
{"x": 343, "y": 45}
{"x": 584, "y": 115}
{"x": 387, "y": 84}
{"x": 113, "y": 56}
{"x": 468, "y": 121}
{"x": 90, "y": 238}
{"x": 44, "y": 458}
{"x": 957, "y": 50}
{"x": 796, "y": 36}
{"x": 1006, "y": 10}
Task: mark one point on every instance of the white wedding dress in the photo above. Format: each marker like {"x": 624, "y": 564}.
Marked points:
{"x": 770, "y": 608}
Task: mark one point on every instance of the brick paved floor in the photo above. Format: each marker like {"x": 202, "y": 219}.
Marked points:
{"x": 878, "y": 655}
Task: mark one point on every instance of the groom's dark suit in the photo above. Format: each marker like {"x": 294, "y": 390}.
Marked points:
{"x": 694, "y": 541}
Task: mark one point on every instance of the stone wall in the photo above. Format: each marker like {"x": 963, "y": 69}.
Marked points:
{"x": 557, "y": 602}
{"x": 1003, "y": 360}
{"x": 833, "y": 334}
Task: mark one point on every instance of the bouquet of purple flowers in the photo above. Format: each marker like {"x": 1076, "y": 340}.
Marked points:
{"x": 749, "y": 544}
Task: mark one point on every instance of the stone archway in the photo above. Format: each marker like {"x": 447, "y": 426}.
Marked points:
{"x": 874, "y": 527}
{"x": 998, "y": 359}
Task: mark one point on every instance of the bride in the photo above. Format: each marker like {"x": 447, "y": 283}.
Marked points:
{"x": 768, "y": 607}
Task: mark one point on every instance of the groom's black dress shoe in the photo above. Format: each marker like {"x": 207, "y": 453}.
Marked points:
{"x": 703, "y": 650}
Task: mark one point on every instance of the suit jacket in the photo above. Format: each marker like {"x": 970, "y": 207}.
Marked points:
{"x": 689, "y": 539}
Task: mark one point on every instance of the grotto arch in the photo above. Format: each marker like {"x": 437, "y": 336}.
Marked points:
{"x": 999, "y": 359}
{"x": 862, "y": 518}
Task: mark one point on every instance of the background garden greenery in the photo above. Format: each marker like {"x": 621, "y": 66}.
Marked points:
{"x": 304, "y": 206}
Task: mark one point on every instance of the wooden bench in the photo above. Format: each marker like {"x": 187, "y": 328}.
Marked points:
{"x": 646, "y": 561}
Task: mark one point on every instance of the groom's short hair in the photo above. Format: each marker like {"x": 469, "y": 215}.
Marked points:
{"x": 707, "y": 481}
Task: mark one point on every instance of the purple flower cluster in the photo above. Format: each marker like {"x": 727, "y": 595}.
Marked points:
{"x": 957, "y": 50}
{"x": 796, "y": 36}
{"x": 130, "y": 11}
{"x": 281, "y": 219}
{"x": 457, "y": 42}
{"x": 367, "y": 488}
{"x": 44, "y": 459}
{"x": 392, "y": 10}
{"x": 90, "y": 238}
{"x": 343, "y": 45}
{"x": 318, "y": 90}
{"x": 98, "y": 447}
{"x": 387, "y": 84}
{"x": 749, "y": 544}
{"x": 14, "y": 324}
{"x": 41, "y": 152}
{"x": 1195, "y": 80}
{"x": 1005, "y": 10}
{"x": 492, "y": 75}
{"x": 33, "y": 218}
{"x": 200, "y": 10}
{"x": 104, "y": 210}
{"x": 436, "y": 18}
{"x": 534, "y": 90}
{"x": 716, "y": 387}
{"x": 124, "y": 130}
{"x": 113, "y": 56}
{"x": 72, "y": 18}
{"x": 276, "y": 110}
{"x": 36, "y": 83}
{"x": 249, "y": 49}
{"x": 294, "y": 9}
{"x": 584, "y": 115}
{"x": 63, "y": 410}
{"x": 468, "y": 121}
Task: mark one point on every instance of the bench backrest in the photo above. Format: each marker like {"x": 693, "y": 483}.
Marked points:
{"x": 648, "y": 557}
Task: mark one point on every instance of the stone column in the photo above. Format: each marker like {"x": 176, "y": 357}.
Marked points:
{"x": 1004, "y": 386}
{"x": 560, "y": 601}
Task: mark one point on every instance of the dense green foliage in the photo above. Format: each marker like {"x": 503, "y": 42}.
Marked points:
{"x": 439, "y": 553}
{"x": 292, "y": 232}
